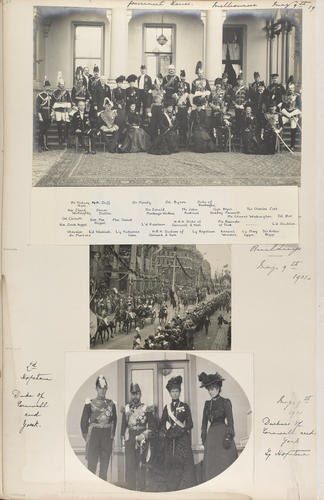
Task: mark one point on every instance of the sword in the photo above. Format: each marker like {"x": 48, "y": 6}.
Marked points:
{"x": 283, "y": 142}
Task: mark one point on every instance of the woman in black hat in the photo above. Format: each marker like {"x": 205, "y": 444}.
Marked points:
{"x": 136, "y": 139}
{"x": 176, "y": 424}
{"x": 166, "y": 141}
{"x": 219, "y": 446}
{"x": 200, "y": 127}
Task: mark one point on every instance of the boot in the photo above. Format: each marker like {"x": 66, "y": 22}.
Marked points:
{"x": 293, "y": 132}
{"x": 59, "y": 132}
{"x": 45, "y": 147}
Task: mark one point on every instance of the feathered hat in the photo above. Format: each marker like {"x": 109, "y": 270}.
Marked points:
{"x": 101, "y": 382}
{"x": 211, "y": 379}
{"x": 131, "y": 78}
{"x": 120, "y": 79}
{"x": 174, "y": 383}
{"x": 134, "y": 388}
{"x": 198, "y": 67}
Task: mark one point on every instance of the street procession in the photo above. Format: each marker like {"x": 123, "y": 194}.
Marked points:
{"x": 173, "y": 303}
{"x": 167, "y": 113}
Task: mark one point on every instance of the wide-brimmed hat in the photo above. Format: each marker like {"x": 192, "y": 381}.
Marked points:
{"x": 211, "y": 379}
{"x": 174, "y": 383}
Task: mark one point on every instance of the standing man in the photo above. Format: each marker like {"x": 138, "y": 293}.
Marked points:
{"x": 100, "y": 91}
{"x": 43, "y": 110}
{"x": 184, "y": 108}
{"x": 291, "y": 111}
{"x": 275, "y": 90}
{"x": 253, "y": 87}
{"x": 86, "y": 78}
{"x": 239, "y": 99}
{"x": 145, "y": 87}
{"x": 98, "y": 426}
{"x": 94, "y": 79}
{"x": 170, "y": 83}
{"x": 138, "y": 425}
{"x": 206, "y": 324}
{"x": 200, "y": 86}
{"x": 61, "y": 105}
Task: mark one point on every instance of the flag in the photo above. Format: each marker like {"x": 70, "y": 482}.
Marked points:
{"x": 229, "y": 68}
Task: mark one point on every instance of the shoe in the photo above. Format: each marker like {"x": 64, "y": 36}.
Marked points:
{"x": 40, "y": 149}
{"x": 93, "y": 152}
{"x": 46, "y": 148}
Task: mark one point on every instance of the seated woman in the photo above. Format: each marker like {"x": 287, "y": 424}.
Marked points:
{"x": 199, "y": 127}
{"x": 249, "y": 134}
{"x": 166, "y": 141}
{"x": 136, "y": 139}
{"x": 107, "y": 127}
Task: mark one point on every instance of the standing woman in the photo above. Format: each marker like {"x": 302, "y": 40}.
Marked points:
{"x": 219, "y": 446}
{"x": 176, "y": 424}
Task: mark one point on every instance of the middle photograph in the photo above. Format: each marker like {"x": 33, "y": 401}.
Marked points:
{"x": 166, "y": 297}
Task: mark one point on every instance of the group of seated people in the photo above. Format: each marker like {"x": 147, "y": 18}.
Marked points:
{"x": 169, "y": 114}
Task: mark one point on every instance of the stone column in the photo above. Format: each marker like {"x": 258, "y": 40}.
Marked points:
{"x": 214, "y": 43}
{"x": 118, "y": 42}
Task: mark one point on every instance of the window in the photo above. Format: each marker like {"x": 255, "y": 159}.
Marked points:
{"x": 233, "y": 39}
{"x": 152, "y": 378}
{"x": 158, "y": 57}
{"x": 88, "y": 46}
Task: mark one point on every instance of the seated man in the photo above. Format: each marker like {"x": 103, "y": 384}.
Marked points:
{"x": 291, "y": 111}
{"x": 272, "y": 129}
{"x": 220, "y": 121}
{"x": 107, "y": 126}
{"x": 81, "y": 127}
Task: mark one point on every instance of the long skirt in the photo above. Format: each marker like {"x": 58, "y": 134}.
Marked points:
{"x": 136, "y": 140}
{"x": 202, "y": 142}
{"x": 216, "y": 457}
{"x": 165, "y": 144}
{"x": 179, "y": 463}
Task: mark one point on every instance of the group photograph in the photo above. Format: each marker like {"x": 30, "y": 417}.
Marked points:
{"x": 160, "y": 297}
{"x": 131, "y": 97}
{"x": 158, "y": 423}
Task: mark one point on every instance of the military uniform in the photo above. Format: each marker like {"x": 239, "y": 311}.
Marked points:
{"x": 145, "y": 87}
{"x": 61, "y": 104}
{"x": 86, "y": 128}
{"x": 200, "y": 87}
{"x": 272, "y": 126}
{"x": 79, "y": 93}
{"x": 275, "y": 92}
{"x": 43, "y": 110}
{"x": 137, "y": 420}
{"x": 98, "y": 426}
{"x": 220, "y": 122}
{"x": 249, "y": 130}
{"x": 99, "y": 94}
{"x": 240, "y": 97}
{"x": 170, "y": 85}
{"x": 291, "y": 111}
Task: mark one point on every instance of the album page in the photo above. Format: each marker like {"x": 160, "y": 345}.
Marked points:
{"x": 159, "y": 272}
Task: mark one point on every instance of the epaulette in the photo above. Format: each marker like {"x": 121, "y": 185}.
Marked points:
{"x": 87, "y": 401}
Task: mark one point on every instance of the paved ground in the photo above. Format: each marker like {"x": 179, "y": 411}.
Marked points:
{"x": 217, "y": 337}
{"x": 68, "y": 168}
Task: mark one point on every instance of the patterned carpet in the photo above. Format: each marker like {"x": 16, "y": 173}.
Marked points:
{"x": 180, "y": 169}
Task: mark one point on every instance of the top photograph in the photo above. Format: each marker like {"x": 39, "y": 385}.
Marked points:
{"x": 127, "y": 97}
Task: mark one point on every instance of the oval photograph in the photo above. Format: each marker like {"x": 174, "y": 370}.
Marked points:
{"x": 166, "y": 422}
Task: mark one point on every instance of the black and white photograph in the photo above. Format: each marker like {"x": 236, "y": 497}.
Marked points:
{"x": 160, "y": 297}
{"x": 139, "y": 97}
{"x": 164, "y": 422}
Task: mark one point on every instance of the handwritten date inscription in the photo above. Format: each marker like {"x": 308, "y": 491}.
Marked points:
{"x": 32, "y": 402}
{"x": 288, "y": 432}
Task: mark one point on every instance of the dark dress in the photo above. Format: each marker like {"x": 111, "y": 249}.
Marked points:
{"x": 178, "y": 456}
{"x": 201, "y": 139}
{"x": 136, "y": 138}
{"x": 166, "y": 142}
{"x": 218, "y": 454}
{"x": 249, "y": 139}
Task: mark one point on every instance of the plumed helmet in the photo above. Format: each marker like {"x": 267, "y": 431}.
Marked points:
{"x": 174, "y": 383}
{"x": 211, "y": 379}
{"x": 182, "y": 73}
{"x": 101, "y": 382}
{"x": 198, "y": 67}
{"x": 135, "y": 388}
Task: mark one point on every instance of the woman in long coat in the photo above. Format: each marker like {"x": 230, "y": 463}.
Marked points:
{"x": 176, "y": 424}
{"x": 217, "y": 428}
{"x": 200, "y": 127}
{"x": 166, "y": 141}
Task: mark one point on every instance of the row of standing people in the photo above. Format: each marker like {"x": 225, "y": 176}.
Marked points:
{"x": 161, "y": 116}
{"x": 158, "y": 451}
